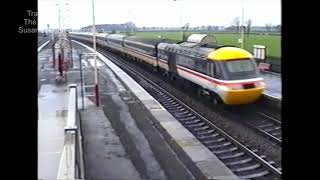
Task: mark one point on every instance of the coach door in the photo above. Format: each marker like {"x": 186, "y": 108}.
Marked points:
{"x": 172, "y": 62}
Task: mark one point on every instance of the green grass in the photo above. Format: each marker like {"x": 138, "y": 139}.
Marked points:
{"x": 272, "y": 42}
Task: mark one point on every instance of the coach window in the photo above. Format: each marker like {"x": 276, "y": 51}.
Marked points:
{"x": 217, "y": 71}
{"x": 200, "y": 66}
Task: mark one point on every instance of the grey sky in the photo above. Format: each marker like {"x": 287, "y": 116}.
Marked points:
{"x": 158, "y": 12}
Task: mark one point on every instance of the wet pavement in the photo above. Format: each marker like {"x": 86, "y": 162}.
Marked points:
{"x": 122, "y": 120}
{"x": 52, "y": 110}
{"x": 273, "y": 84}
{"x": 105, "y": 155}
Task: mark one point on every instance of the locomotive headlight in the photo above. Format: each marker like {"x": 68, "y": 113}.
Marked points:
{"x": 230, "y": 87}
{"x": 235, "y": 86}
{"x": 223, "y": 88}
{"x": 260, "y": 84}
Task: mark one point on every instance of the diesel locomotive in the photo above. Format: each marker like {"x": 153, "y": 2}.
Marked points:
{"x": 228, "y": 74}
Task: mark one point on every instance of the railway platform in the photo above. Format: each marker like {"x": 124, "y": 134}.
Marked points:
{"x": 103, "y": 152}
{"x": 129, "y": 136}
{"x": 273, "y": 84}
{"x": 272, "y": 96}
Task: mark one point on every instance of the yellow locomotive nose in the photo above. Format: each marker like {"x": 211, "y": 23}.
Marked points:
{"x": 243, "y": 96}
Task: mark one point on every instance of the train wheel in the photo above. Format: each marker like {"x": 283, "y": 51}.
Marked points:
{"x": 199, "y": 92}
{"x": 216, "y": 100}
{"x": 172, "y": 77}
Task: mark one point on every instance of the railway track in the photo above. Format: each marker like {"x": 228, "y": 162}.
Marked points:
{"x": 245, "y": 162}
{"x": 262, "y": 123}
{"x": 270, "y": 127}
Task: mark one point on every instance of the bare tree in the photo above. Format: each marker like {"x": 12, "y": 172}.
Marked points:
{"x": 278, "y": 27}
{"x": 236, "y": 23}
{"x": 249, "y": 22}
{"x": 268, "y": 27}
{"x": 185, "y": 28}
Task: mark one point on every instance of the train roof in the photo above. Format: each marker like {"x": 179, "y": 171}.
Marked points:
{"x": 197, "y": 52}
{"x": 116, "y": 36}
{"x": 81, "y": 33}
{"x": 148, "y": 41}
{"x": 211, "y": 52}
{"x": 102, "y": 34}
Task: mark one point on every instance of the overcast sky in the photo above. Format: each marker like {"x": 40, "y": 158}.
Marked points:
{"x": 166, "y": 13}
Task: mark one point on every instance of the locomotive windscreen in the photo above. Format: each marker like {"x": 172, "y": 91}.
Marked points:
{"x": 240, "y": 66}
{"x": 239, "y": 69}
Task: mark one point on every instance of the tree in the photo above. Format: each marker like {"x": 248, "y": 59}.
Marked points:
{"x": 113, "y": 31}
{"x": 236, "y": 23}
{"x": 268, "y": 27}
{"x": 249, "y": 22}
{"x": 184, "y": 29}
{"x": 278, "y": 28}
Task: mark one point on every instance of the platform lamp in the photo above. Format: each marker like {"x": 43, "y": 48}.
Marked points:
{"x": 181, "y": 24}
{"x": 242, "y": 24}
{"x": 96, "y": 84}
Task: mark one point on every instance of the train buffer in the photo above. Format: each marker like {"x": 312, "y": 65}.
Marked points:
{"x": 264, "y": 66}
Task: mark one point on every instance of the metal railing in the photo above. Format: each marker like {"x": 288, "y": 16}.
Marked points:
{"x": 71, "y": 165}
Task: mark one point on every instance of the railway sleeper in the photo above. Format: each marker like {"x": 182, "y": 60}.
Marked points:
{"x": 168, "y": 103}
{"x": 201, "y": 128}
{"x": 220, "y": 146}
{"x": 246, "y": 175}
{"x": 181, "y": 115}
{"x": 217, "y": 152}
{"x": 179, "y": 109}
{"x": 237, "y": 161}
{"x": 217, "y": 144}
{"x": 207, "y": 134}
{"x": 189, "y": 118}
{"x": 191, "y": 122}
{"x": 272, "y": 129}
{"x": 195, "y": 125}
{"x": 277, "y": 134}
{"x": 214, "y": 140}
{"x": 245, "y": 167}
{"x": 232, "y": 155}
{"x": 172, "y": 106}
{"x": 266, "y": 125}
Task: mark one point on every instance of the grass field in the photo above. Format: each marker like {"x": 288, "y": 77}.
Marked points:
{"x": 272, "y": 42}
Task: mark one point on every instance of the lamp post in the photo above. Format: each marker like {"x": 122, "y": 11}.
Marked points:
{"x": 242, "y": 25}
{"x": 81, "y": 79}
{"x": 181, "y": 23}
{"x": 95, "y": 58}
{"x": 59, "y": 16}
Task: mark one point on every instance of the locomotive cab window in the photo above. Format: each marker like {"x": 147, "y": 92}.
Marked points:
{"x": 218, "y": 71}
{"x": 240, "y": 66}
{"x": 210, "y": 70}
{"x": 239, "y": 69}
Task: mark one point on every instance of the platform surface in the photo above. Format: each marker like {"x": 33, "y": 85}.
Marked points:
{"x": 52, "y": 115}
{"x": 273, "y": 84}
